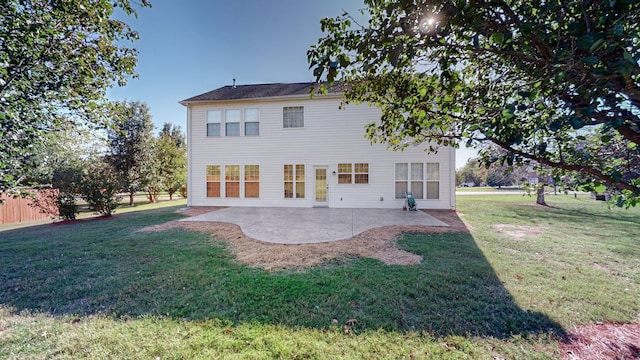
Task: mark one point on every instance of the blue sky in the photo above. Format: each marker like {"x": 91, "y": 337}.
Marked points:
{"x": 189, "y": 47}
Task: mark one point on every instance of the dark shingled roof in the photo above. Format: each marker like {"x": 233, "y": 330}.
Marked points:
{"x": 238, "y": 92}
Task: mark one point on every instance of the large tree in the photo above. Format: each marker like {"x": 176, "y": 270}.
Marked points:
{"x": 537, "y": 78}
{"x": 57, "y": 58}
{"x": 131, "y": 145}
{"x": 171, "y": 154}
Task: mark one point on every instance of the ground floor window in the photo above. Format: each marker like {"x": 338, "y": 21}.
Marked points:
{"x": 412, "y": 177}
{"x": 294, "y": 181}
{"x": 357, "y": 173}
{"x": 433, "y": 181}
{"x": 231, "y": 181}
{"x": 251, "y": 181}
{"x": 361, "y": 173}
{"x": 344, "y": 173}
{"x": 213, "y": 180}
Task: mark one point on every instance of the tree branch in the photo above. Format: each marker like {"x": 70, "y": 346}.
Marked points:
{"x": 577, "y": 168}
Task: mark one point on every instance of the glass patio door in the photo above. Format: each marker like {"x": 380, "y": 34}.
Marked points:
{"x": 321, "y": 186}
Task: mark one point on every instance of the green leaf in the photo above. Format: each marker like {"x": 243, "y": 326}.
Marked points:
{"x": 600, "y": 188}
{"x": 628, "y": 57}
{"x": 590, "y": 60}
{"x": 576, "y": 122}
{"x": 422, "y": 91}
{"x": 596, "y": 45}
{"x": 497, "y": 38}
{"x": 617, "y": 122}
{"x": 585, "y": 41}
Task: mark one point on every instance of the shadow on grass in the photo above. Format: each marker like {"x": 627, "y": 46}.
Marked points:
{"x": 106, "y": 267}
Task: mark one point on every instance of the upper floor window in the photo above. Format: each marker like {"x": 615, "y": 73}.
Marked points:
{"x": 293, "y": 117}
{"x": 251, "y": 121}
{"x": 232, "y": 122}
{"x": 214, "y": 120}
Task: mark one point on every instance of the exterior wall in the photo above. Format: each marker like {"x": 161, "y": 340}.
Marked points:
{"x": 330, "y": 136}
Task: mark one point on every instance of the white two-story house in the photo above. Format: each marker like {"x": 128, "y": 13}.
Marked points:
{"x": 273, "y": 145}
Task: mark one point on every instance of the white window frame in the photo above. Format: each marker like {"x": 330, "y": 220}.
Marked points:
{"x": 288, "y": 121}
{"x": 295, "y": 181}
{"x": 353, "y": 174}
{"x": 431, "y": 179}
{"x": 255, "y": 120}
{"x": 246, "y": 181}
{"x": 403, "y": 178}
{"x": 422, "y": 178}
{"x": 211, "y": 120}
{"x": 227, "y": 112}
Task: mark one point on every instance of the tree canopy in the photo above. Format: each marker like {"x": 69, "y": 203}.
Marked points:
{"x": 553, "y": 82}
{"x": 131, "y": 145}
{"x": 57, "y": 58}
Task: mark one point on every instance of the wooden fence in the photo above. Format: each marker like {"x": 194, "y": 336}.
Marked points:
{"x": 17, "y": 210}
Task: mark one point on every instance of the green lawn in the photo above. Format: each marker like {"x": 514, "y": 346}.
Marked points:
{"x": 509, "y": 289}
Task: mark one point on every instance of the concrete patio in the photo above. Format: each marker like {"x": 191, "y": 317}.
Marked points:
{"x": 312, "y": 225}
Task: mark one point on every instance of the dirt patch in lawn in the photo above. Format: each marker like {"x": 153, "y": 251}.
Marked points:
{"x": 379, "y": 243}
{"x": 603, "y": 341}
{"x": 519, "y": 232}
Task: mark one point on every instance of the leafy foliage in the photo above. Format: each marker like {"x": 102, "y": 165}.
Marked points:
{"x": 171, "y": 154}
{"x": 471, "y": 172}
{"x": 57, "y": 58}
{"x": 100, "y": 188}
{"x": 68, "y": 181}
{"x": 536, "y": 78}
{"x": 131, "y": 145}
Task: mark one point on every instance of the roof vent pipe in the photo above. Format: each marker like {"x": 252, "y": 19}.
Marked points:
{"x": 234, "y": 83}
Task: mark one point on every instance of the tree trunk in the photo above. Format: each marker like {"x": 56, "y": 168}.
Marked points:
{"x": 171, "y": 191}
{"x": 152, "y": 198}
{"x": 540, "y": 196}
{"x": 131, "y": 194}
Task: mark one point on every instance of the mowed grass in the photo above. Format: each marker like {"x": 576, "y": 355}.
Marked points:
{"x": 510, "y": 288}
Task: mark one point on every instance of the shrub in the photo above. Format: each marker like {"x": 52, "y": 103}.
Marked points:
{"x": 67, "y": 179}
{"x": 100, "y": 187}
